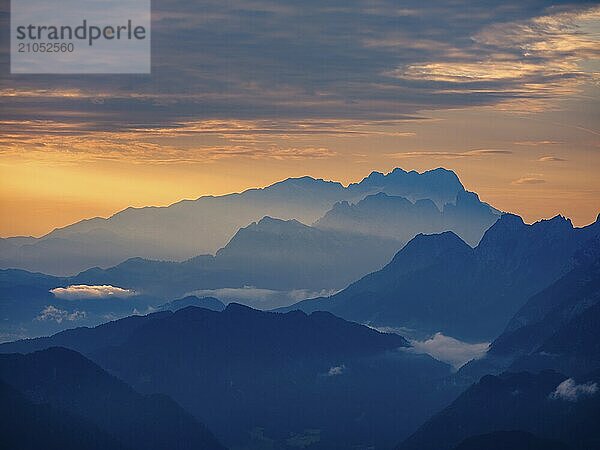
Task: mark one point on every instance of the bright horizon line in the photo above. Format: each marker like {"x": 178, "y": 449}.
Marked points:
{"x": 280, "y": 180}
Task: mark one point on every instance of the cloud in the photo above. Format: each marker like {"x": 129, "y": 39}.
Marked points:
{"x": 528, "y": 180}
{"x": 261, "y": 298}
{"x": 537, "y": 143}
{"x": 202, "y": 141}
{"x": 528, "y": 63}
{"x": 570, "y": 391}
{"x": 551, "y": 159}
{"x": 296, "y": 62}
{"x": 336, "y": 370}
{"x": 451, "y": 155}
{"x": 450, "y": 350}
{"x": 52, "y": 313}
{"x": 84, "y": 291}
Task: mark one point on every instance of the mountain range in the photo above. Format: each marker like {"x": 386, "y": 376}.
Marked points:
{"x": 256, "y": 377}
{"x": 555, "y": 329}
{"x": 202, "y": 226}
{"x": 398, "y": 218}
{"x": 411, "y": 253}
{"x": 266, "y": 264}
{"x": 435, "y": 283}
{"x": 439, "y": 283}
{"x": 271, "y": 254}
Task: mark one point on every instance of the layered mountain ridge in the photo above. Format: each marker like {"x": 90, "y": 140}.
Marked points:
{"x": 240, "y": 370}
{"x": 439, "y": 283}
{"x": 202, "y": 226}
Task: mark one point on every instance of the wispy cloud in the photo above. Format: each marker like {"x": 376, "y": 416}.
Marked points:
{"x": 84, "y": 291}
{"x": 336, "y": 370}
{"x": 551, "y": 159}
{"x": 54, "y": 314}
{"x": 537, "y": 143}
{"x": 260, "y": 298}
{"x": 526, "y": 63}
{"x": 199, "y": 141}
{"x": 291, "y": 64}
{"x": 528, "y": 181}
{"x": 570, "y": 391}
{"x": 450, "y": 155}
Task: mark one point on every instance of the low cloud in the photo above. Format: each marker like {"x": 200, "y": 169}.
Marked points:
{"x": 84, "y": 291}
{"x": 450, "y": 350}
{"x": 52, "y": 313}
{"x": 528, "y": 180}
{"x": 336, "y": 370}
{"x": 570, "y": 391}
{"x": 260, "y": 298}
{"x": 551, "y": 159}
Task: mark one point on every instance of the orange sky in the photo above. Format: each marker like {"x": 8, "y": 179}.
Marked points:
{"x": 508, "y": 99}
{"x": 516, "y": 163}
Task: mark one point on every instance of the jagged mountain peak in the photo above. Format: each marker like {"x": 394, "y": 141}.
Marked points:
{"x": 509, "y": 221}
{"x": 268, "y": 220}
{"x": 506, "y": 227}
{"x": 437, "y": 176}
{"x": 558, "y": 223}
{"x": 424, "y": 249}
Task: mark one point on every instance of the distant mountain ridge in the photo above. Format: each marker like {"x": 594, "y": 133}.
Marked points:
{"x": 269, "y": 254}
{"x": 399, "y": 218}
{"x": 274, "y": 262}
{"x": 193, "y": 227}
{"x": 211, "y": 303}
{"x": 439, "y": 283}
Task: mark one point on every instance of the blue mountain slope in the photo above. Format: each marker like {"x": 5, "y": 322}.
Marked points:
{"x": 438, "y": 283}
{"x": 270, "y": 254}
{"x": 555, "y": 329}
{"x": 252, "y": 375}
{"x": 530, "y": 403}
{"x": 68, "y": 382}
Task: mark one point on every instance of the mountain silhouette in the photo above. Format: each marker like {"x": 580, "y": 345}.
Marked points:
{"x": 269, "y": 254}
{"x": 573, "y": 349}
{"x": 555, "y": 328}
{"x": 211, "y": 303}
{"x": 439, "y": 283}
{"x": 69, "y": 382}
{"x": 284, "y": 260}
{"x": 253, "y": 375}
{"x": 515, "y": 401}
{"x": 202, "y": 226}
{"x": 85, "y": 339}
{"x": 398, "y": 218}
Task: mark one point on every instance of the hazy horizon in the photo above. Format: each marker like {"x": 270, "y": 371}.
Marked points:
{"x": 579, "y": 221}
{"x": 242, "y": 95}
